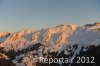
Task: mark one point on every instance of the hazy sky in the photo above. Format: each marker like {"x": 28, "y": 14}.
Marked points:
{"x": 36, "y": 14}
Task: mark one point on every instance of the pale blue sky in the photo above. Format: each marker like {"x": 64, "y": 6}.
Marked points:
{"x": 36, "y": 14}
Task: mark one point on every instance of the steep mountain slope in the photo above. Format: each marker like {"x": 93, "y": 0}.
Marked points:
{"x": 26, "y": 47}
{"x": 4, "y": 36}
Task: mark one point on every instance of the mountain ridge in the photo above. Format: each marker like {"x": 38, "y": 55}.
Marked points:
{"x": 25, "y": 47}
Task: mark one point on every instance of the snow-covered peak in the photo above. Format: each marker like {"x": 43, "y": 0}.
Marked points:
{"x": 68, "y": 25}
{"x": 55, "y": 34}
{"x": 26, "y": 31}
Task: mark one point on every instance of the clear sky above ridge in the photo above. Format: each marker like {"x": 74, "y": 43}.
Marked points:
{"x": 36, "y": 14}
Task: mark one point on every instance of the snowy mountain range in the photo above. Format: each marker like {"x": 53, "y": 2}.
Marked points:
{"x": 26, "y": 47}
